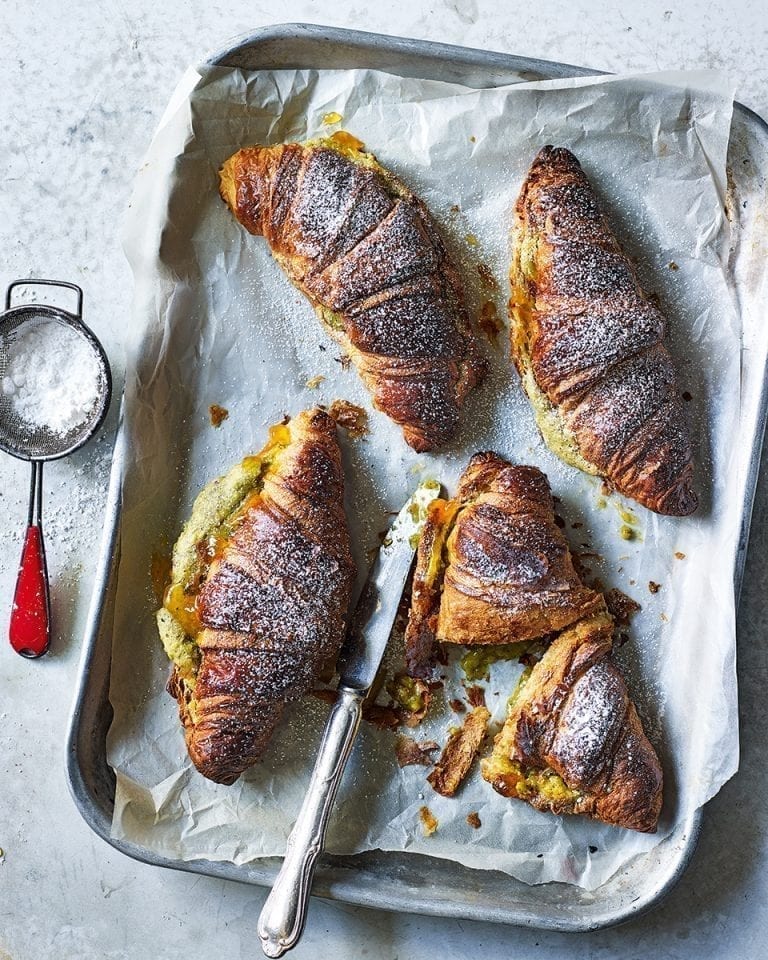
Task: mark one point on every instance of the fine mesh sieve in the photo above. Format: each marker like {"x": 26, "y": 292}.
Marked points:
{"x": 34, "y": 442}
{"x": 30, "y": 616}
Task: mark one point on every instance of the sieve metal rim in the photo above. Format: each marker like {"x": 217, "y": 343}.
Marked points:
{"x": 76, "y": 323}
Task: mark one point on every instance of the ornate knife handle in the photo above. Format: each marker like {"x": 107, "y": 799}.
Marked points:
{"x": 282, "y": 918}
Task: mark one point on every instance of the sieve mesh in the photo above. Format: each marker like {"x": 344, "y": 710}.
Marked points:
{"x": 32, "y": 442}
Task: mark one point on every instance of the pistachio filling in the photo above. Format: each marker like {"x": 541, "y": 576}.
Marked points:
{"x": 477, "y": 661}
{"x": 543, "y": 783}
{"x": 216, "y": 512}
{"x": 408, "y": 692}
{"x": 527, "y": 783}
{"x": 521, "y": 682}
{"x": 418, "y": 512}
{"x": 512, "y": 778}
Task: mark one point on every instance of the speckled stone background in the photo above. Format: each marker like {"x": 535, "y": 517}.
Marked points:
{"x": 82, "y": 88}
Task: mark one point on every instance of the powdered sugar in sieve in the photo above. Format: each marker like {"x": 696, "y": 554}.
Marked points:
{"x": 52, "y": 377}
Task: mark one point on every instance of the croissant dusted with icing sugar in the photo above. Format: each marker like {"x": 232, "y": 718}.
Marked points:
{"x": 589, "y": 346}
{"x": 573, "y": 742}
{"x": 369, "y": 257}
{"x": 260, "y": 585}
{"x": 492, "y": 565}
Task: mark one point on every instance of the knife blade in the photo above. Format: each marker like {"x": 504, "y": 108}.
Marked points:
{"x": 282, "y": 918}
{"x": 376, "y": 609}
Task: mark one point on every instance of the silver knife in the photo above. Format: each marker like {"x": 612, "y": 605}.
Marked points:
{"x": 282, "y": 918}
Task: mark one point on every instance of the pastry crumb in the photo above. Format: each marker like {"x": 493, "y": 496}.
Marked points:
{"x": 471, "y": 239}
{"x": 217, "y": 414}
{"x": 409, "y": 752}
{"x": 476, "y": 696}
{"x": 457, "y": 705}
{"x": 332, "y": 117}
{"x": 474, "y": 820}
{"x": 385, "y": 718}
{"x": 679, "y": 555}
{"x": 428, "y": 821}
{"x": 314, "y": 382}
{"x": 687, "y": 396}
{"x": 350, "y": 417}
{"x": 459, "y": 753}
{"x": 490, "y": 322}
{"x": 620, "y": 606}
{"x": 653, "y": 586}
{"x": 672, "y": 265}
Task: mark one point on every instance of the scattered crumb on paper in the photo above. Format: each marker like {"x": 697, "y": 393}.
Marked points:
{"x": 217, "y": 414}
{"x": 428, "y": 821}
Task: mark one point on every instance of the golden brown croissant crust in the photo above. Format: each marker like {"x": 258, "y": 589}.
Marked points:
{"x": 368, "y": 255}
{"x": 573, "y": 742}
{"x": 271, "y": 605}
{"x": 492, "y": 565}
{"x": 590, "y": 346}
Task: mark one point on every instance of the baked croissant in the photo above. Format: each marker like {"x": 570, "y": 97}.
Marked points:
{"x": 492, "y": 566}
{"x": 367, "y": 253}
{"x": 260, "y": 585}
{"x": 573, "y": 742}
{"x": 589, "y": 346}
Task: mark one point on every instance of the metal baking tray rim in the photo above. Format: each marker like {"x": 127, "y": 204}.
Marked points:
{"x": 337, "y": 876}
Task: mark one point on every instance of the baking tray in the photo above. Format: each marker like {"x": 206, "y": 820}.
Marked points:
{"x": 401, "y": 881}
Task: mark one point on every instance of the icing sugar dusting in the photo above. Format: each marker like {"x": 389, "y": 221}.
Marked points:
{"x": 590, "y": 721}
{"x": 597, "y": 347}
{"x": 52, "y": 376}
{"x": 369, "y": 251}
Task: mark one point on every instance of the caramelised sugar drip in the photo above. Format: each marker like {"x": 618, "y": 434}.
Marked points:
{"x": 368, "y": 255}
{"x": 589, "y": 345}
{"x": 492, "y": 565}
{"x": 573, "y": 741}
{"x": 268, "y": 601}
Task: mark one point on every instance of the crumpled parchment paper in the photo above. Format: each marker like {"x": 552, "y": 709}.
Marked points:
{"x": 215, "y": 321}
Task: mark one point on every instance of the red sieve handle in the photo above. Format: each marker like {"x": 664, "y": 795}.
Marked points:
{"x": 30, "y": 627}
